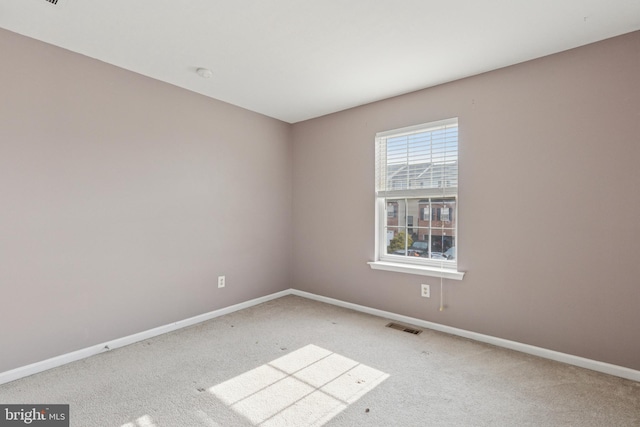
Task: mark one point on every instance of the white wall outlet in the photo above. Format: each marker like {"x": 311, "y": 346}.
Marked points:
{"x": 426, "y": 291}
{"x": 221, "y": 281}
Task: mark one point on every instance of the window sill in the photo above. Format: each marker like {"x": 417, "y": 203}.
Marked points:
{"x": 421, "y": 270}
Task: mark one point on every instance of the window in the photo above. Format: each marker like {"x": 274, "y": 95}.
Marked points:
{"x": 416, "y": 199}
{"x": 391, "y": 210}
{"x": 445, "y": 215}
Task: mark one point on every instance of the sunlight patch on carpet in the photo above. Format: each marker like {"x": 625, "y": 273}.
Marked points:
{"x": 306, "y": 387}
{"x": 143, "y": 421}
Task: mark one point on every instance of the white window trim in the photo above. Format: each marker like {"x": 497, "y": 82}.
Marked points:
{"x": 386, "y": 262}
{"x": 421, "y": 270}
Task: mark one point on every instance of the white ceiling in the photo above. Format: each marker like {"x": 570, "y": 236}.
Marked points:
{"x": 298, "y": 59}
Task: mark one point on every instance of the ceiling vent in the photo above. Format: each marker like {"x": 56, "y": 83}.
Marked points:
{"x": 52, "y": 1}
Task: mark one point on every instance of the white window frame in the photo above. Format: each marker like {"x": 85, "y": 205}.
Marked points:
{"x": 399, "y": 263}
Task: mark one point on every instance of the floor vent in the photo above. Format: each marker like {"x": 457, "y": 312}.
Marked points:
{"x": 404, "y": 328}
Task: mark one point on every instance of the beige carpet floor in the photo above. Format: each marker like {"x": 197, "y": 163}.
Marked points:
{"x": 297, "y": 362}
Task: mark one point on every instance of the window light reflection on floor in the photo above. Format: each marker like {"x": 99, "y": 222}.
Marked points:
{"x": 306, "y": 387}
{"x": 143, "y": 421}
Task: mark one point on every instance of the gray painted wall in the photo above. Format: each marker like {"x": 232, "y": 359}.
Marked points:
{"x": 549, "y": 233}
{"x": 123, "y": 198}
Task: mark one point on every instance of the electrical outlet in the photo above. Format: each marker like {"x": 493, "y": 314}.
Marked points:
{"x": 426, "y": 291}
{"x": 221, "y": 281}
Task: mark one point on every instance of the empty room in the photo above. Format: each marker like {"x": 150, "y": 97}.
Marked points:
{"x": 319, "y": 213}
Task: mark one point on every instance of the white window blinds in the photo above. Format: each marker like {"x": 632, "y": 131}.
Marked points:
{"x": 418, "y": 160}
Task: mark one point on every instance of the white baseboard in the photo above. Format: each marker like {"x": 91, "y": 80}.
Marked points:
{"x": 54, "y": 362}
{"x": 34, "y": 368}
{"x": 594, "y": 365}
